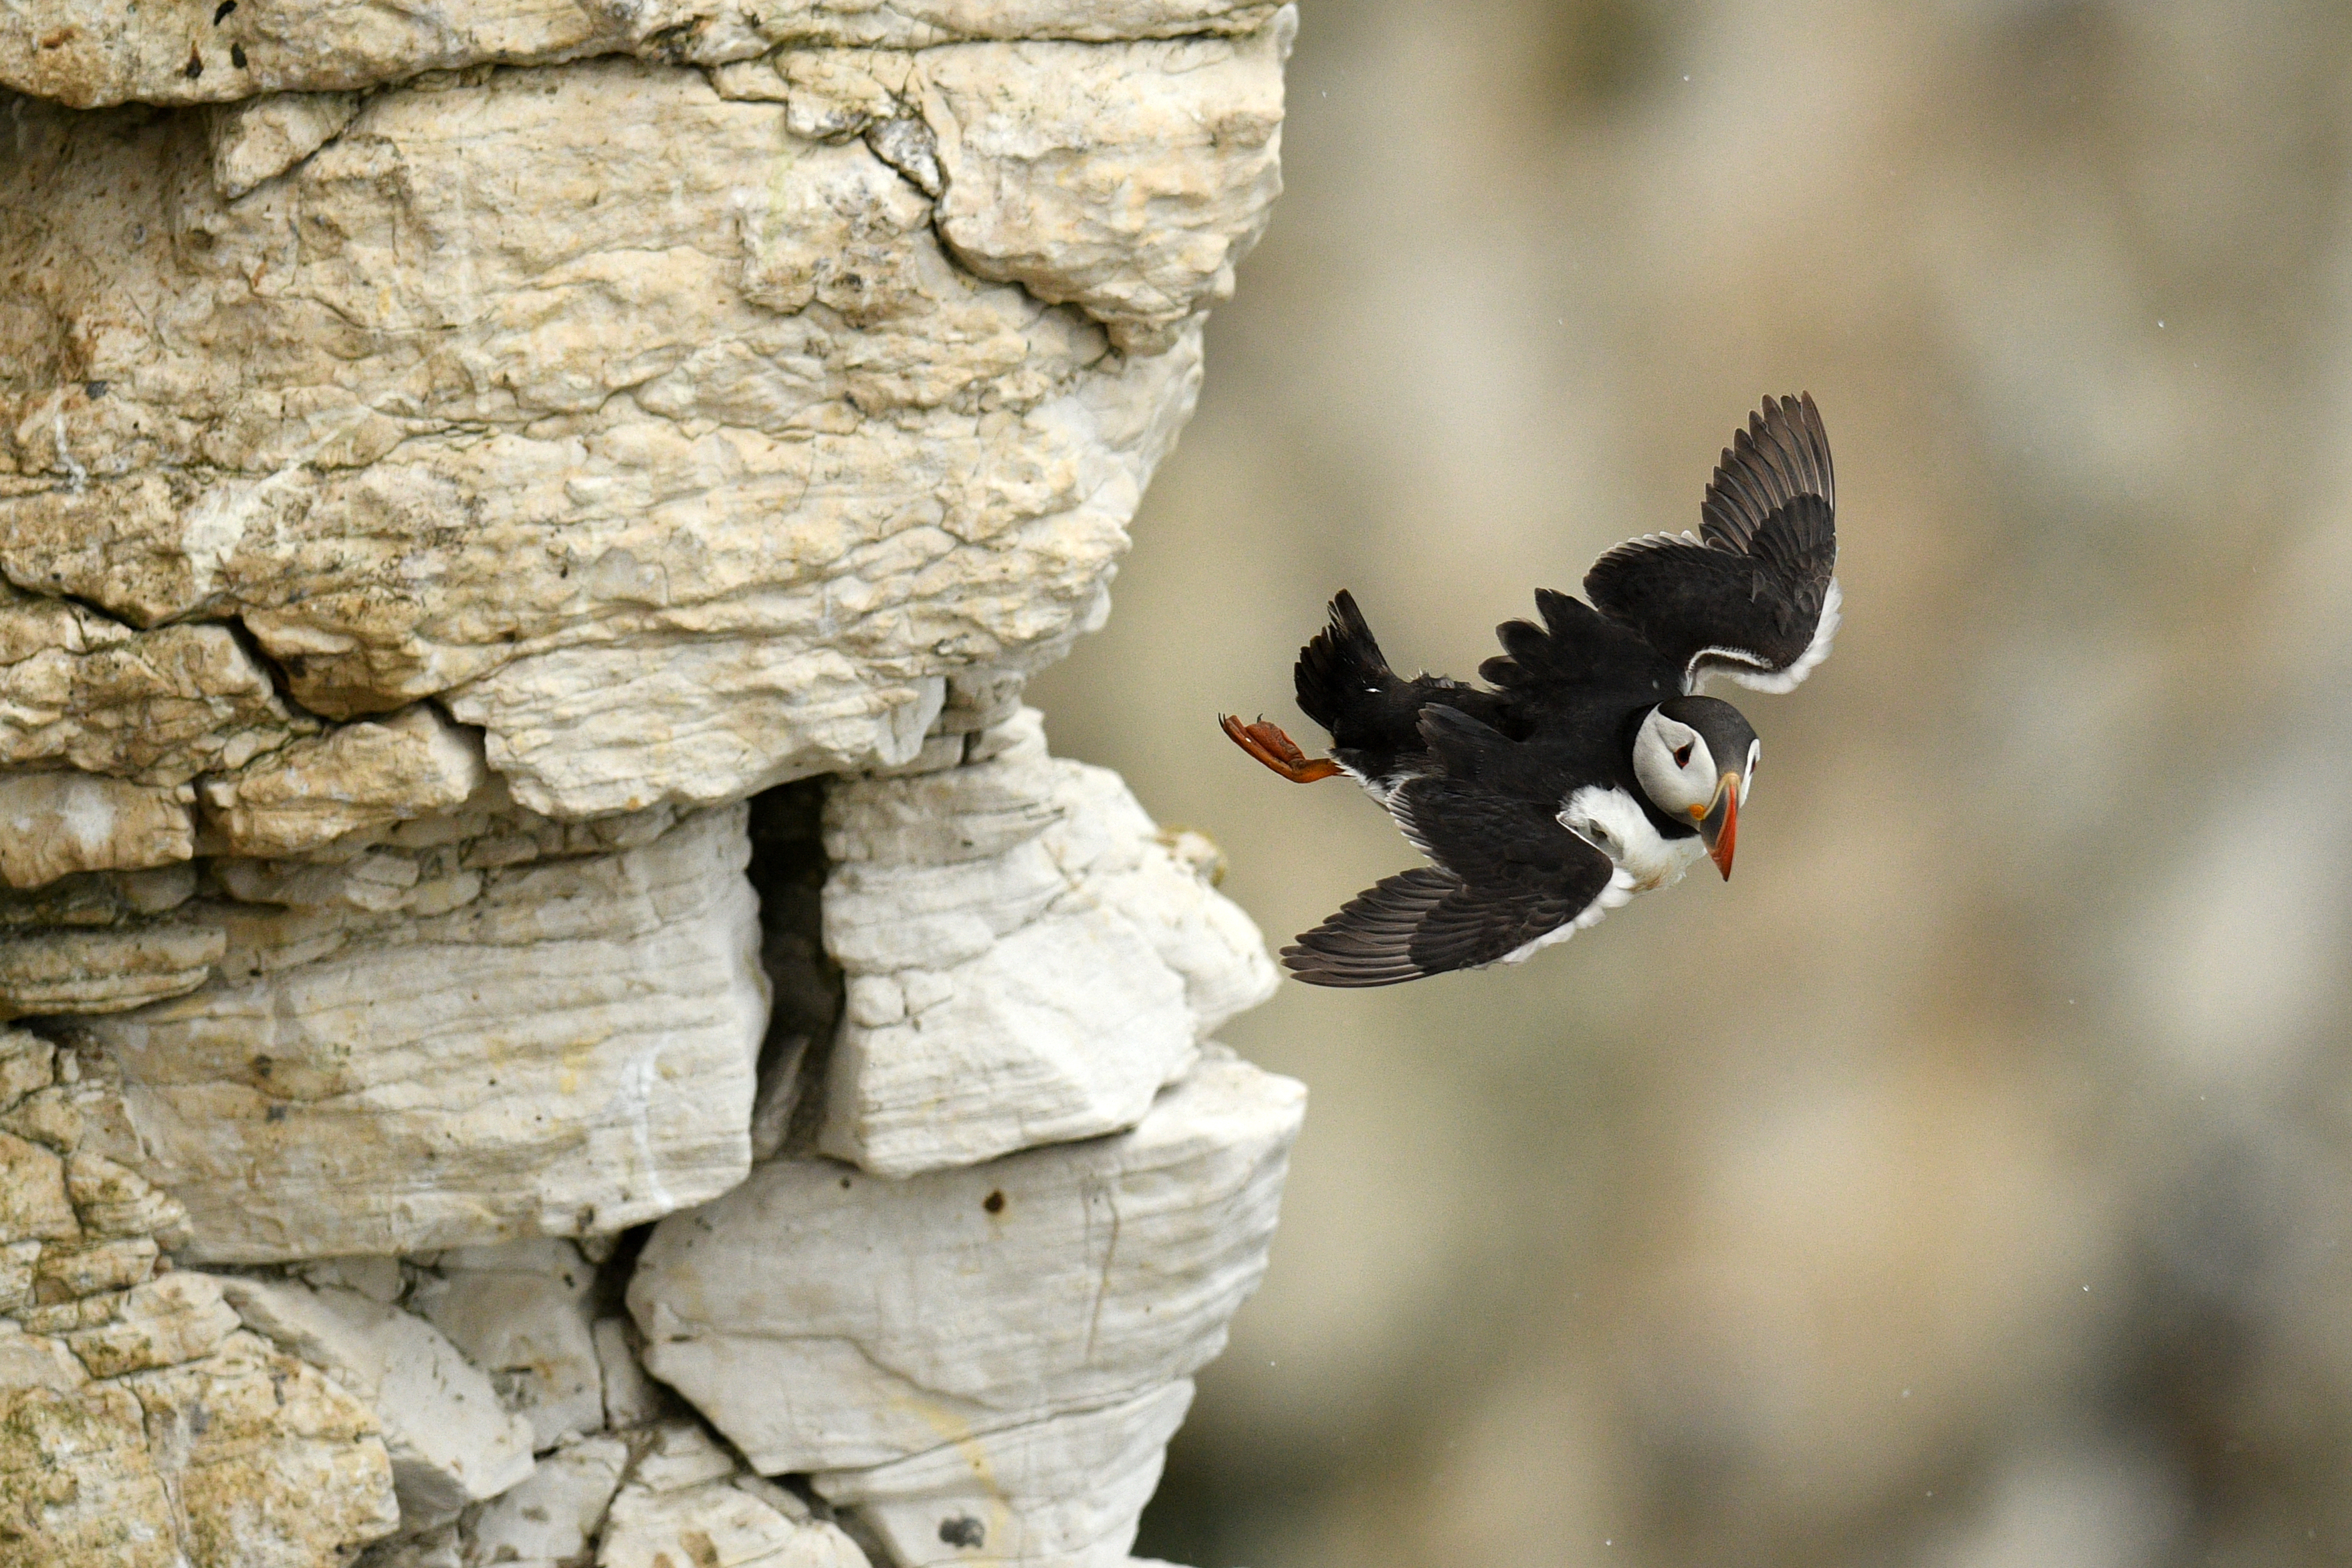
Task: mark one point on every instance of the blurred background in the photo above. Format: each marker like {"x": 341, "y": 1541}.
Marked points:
{"x": 1966, "y": 1182}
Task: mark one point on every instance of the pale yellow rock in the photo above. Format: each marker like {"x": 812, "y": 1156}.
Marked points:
{"x": 354, "y": 778}
{"x": 78, "y": 1485}
{"x": 67, "y": 1271}
{"x": 105, "y": 971}
{"x": 33, "y": 1203}
{"x": 450, "y": 1441}
{"x": 54, "y": 824}
{"x": 50, "y": 1117}
{"x": 271, "y": 1465}
{"x": 24, "y": 1065}
{"x": 113, "y": 1199}
{"x": 96, "y": 898}
{"x": 17, "y": 1260}
{"x": 750, "y": 467}
{"x": 166, "y": 1321}
{"x": 36, "y": 1361}
{"x": 159, "y": 706}
{"x": 260, "y": 139}
{"x": 188, "y": 52}
{"x": 572, "y": 1051}
{"x": 1127, "y": 183}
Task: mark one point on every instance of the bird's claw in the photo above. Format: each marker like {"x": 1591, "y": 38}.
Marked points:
{"x": 1268, "y": 743}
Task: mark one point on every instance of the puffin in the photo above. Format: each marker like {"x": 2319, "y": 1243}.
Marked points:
{"x": 1589, "y": 767}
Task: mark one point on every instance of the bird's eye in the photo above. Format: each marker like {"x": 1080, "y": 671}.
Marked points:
{"x": 1681, "y": 754}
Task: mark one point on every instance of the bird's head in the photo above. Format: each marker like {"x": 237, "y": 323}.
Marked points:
{"x": 1695, "y": 759}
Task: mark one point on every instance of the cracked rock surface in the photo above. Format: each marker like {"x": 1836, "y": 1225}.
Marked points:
{"x": 1058, "y": 1280}
{"x": 555, "y": 1009}
{"x": 1026, "y": 961}
{"x": 681, "y": 450}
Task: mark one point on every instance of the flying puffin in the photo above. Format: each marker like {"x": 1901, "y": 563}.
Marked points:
{"x": 1588, "y": 769}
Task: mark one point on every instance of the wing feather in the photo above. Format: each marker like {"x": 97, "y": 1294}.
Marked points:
{"x": 1508, "y": 875}
{"x": 1755, "y": 594}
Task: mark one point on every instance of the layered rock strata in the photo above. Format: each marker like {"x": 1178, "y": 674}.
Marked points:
{"x": 562, "y": 1013}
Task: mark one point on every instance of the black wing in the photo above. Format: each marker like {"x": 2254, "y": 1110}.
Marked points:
{"x": 1508, "y": 876}
{"x": 1754, "y": 595}
{"x": 1576, "y": 647}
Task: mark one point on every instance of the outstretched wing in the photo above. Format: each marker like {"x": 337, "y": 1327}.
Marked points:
{"x": 1509, "y": 878}
{"x": 1755, "y": 594}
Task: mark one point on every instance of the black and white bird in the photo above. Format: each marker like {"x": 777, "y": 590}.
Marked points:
{"x": 1588, "y": 769}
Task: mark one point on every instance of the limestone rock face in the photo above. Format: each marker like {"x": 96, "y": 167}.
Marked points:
{"x": 450, "y": 1440}
{"x": 522, "y": 1311}
{"x": 450, "y": 519}
{"x": 55, "y": 824}
{"x": 749, "y": 465}
{"x": 354, "y": 778}
{"x": 140, "y": 1423}
{"x": 429, "y": 1048}
{"x": 1026, "y": 962}
{"x": 1058, "y": 1280}
{"x": 87, "y": 56}
{"x": 1067, "y": 1490}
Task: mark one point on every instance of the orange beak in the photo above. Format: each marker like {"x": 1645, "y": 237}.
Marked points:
{"x": 1720, "y": 826}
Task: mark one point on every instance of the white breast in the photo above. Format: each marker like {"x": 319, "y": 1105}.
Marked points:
{"x": 1613, "y": 823}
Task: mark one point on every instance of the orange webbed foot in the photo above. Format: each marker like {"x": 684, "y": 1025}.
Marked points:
{"x": 1268, "y": 743}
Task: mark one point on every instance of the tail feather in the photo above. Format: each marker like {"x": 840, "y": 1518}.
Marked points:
{"x": 1340, "y": 665}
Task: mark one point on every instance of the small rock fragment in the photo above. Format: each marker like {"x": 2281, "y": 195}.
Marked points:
{"x": 353, "y": 778}
{"x": 522, "y": 1313}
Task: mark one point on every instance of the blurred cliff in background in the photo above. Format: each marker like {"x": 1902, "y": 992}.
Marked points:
{"x": 1966, "y": 1182}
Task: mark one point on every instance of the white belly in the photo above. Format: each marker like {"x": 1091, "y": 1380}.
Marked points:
{"x": 1611, "y": 822}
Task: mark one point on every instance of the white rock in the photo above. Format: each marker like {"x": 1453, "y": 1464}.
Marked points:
{"x": 1065, "y": 1491}
{"x": 554, "y": 1515}
{"x": 572, "y": 1051}
{"x": 54, "y": 824}
{"x": 825, "y": 1320}
{"x": 631, "y": 1398}
{"x": 522, "y": 1313}
{"x": 1025, "y": 961}
{"x": 450, "y": 1440}
{"x": 715, "y": 1525}
{"x": 681, "y": 1455}
{"x": 352, "y": 778}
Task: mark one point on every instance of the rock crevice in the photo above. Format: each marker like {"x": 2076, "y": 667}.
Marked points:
{"x": 560, "y": 1011}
